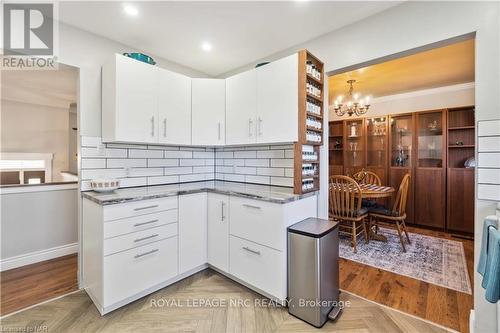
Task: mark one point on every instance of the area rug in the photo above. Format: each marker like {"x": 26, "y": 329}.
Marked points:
{"x": 434, "y": 260}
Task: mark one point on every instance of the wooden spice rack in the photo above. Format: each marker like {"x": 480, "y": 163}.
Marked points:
{"x": 305, "y": 144}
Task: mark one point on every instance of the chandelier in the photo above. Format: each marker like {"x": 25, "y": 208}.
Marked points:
{"x": 354, "y": 104}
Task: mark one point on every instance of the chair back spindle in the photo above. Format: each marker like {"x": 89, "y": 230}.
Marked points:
{"x": 399, "y": 207}
{"x": 345, "y": 197}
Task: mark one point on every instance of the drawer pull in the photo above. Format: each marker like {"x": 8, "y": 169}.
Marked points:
{"x": 250, "y": 250}
{"x": 145, "y": 238}
{"x": 146, "y": 253}
{"x": 252, "y": 206}
{"x": 147, "y": 207}
{"x": 144, "y": 223}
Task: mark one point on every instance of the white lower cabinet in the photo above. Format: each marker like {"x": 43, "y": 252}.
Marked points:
{"x": 131, "y": 272}
{"x": 132, "y": 249}
{"x": 259, "y": 266}
{"x": 218, "y": 231}
{"x": 192, "y": 231}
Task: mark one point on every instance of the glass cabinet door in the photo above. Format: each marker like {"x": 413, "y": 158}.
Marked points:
{"x": 430, "y": 140}
{"x": 401, "y": 141}
{"x": 355, "y": 150}
{"x": 376, "y": 143}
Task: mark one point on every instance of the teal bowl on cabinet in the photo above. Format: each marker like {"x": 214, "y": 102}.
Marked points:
{"x": 141, "y": 57}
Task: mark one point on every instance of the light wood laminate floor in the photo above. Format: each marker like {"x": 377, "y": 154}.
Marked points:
{"x": 438, "y": 304}
{"x": 76, "y": 313}
{"x": 31, "y": 284}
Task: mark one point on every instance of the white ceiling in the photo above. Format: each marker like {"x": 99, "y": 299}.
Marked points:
{"x": 241, "y": 32}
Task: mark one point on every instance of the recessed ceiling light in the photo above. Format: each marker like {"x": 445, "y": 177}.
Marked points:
{"x": 130, "y": 10}
{"x": 206, "y": 46}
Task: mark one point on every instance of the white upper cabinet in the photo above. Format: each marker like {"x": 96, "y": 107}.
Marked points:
{"x": 174, "y": 108}
{"x": 241, "y": 108}
{"x": 277, "y": 101}
{"x": 208, "y": 112}
{"x": 129, "y": 101}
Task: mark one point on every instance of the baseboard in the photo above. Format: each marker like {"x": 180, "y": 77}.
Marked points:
{"x": 37, "y": 256}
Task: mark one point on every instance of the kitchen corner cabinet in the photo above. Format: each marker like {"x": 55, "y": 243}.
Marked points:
{"x": 277, "y": 101}
{"x": 174, "y": 108}
{"x": 142, "y": 103}
{"x": 218, "y": 231}
{"x": 192, "y": 231}
{"x": 129, "y": 101}
{"x": 208, "y": 112}
{"x": 241, "y": 108}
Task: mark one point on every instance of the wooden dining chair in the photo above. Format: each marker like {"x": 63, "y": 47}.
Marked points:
{"x": 368, "y": 177}
{"x": 345, "y": 207}
{"x": 396, "y": 215}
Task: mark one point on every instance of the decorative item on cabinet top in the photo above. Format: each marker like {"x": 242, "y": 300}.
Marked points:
{"x": 140, "y": 57}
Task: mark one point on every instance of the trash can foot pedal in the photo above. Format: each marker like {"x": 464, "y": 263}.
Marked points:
{"x": 335, "y": 313}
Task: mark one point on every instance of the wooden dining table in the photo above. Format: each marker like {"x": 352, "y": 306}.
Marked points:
{"x": 373, "y": 191}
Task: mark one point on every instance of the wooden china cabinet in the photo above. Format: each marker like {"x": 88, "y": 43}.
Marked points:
{"x": 430, "y": 169}
{"x": 432, "y": 146}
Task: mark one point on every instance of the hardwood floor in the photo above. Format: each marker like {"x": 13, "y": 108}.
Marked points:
{"x": 438, "y": 304}
{"x": 28, "y": 285}
{"x": 76, "y": 313}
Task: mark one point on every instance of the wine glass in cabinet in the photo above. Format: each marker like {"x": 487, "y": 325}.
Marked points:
{"x": 354, "y": 157}
{"x": 401, "y": 156}
{"x": 376, "y": 146}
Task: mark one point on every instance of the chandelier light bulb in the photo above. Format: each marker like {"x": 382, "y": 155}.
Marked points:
{"x": 356, "y": 97}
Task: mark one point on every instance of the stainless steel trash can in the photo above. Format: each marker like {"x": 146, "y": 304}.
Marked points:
{"x": 313, "y": 270}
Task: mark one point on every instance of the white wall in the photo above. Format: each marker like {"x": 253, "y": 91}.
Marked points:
{"x": 420, "y": 100}
{"x": 32, "y": 128}
{"x": 413, "y": 25}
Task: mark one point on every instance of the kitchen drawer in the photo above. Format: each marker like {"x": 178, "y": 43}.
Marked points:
{"x": 257, "y": 221}
{"x": 139, "y": 223}
{"x": 130, "y": 272}
{"x": 258, "y": 265}
{"x": 135, "y": 239}
{"x": 129, "y": 209}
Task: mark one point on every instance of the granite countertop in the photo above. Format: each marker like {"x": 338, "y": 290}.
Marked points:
{"x": 268, "y": 193}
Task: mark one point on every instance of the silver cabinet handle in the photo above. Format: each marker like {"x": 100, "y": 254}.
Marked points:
{"x": 144, "y": 223}
{"x": 252, "y": 206}
{"x": 145, "y": 238}
{"x": 147, "y": 207}
{"x": 251, "y": 251}
{"x": 250, "y": 123}
{"x": 165, "y": 127}
{"x": 260, "y": 126}
{"x": 223, "y": 217}
{"x": 218, "y": 129}
{"x": 153, "y": 126}
{"x": 146, "y": 253}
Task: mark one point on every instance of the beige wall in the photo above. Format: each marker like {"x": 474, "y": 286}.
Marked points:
{"x": 31, "y": 128}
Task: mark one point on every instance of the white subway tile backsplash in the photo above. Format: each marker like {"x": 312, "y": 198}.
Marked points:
{"x": 282, "y": 163}
{"x": 89, "y": 174}
{"x": 126, "y": 163}
{"x": 279, "y": 172}
{"x": 289, "y": 172}
{"x": 193, "y": 177}
{"x": 178, "y": 154}
{"x": 225, "y": 169}
{"x": 142, "y": 153}
{"x": 144, "y": 172}
{"x": 245, "y": 170}
{"x": 106, "y": 152}
{"x": 204, "y": 169}
{"x": 245, "y": 154}
{"x": 178, "y": 171}
{"x": 282, "y": 147}
{"x": 234, "y": 178}
{"x": 131, "y": 182}
{"x": 163, "y": 180}
{"x": 93, "y": 163}
{"x": 157, "y": 162}
{"x": 489, "y": 160}
{"x": 90, "y": 141}
{"x": 257, "y": 162}
{"x": 223, "y": 154}
{"x": 191, "y": 162}
{"x": 289, "y": 153}
{"x": 488, "y": 176}
{"x": 258, "y": 179}
{"x": 203, "y": 154}
{"x": 282, "y": 181}
{"x": 271, "y": 154}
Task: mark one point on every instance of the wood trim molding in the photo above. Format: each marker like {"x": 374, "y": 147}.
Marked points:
{"x": 37, "y": 256}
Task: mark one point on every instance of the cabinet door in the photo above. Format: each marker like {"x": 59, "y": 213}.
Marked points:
{"x": 208, "y": 111}
{"x": 430, "y": 200}
{"x": 461, "y": 200}
{"x": 277, "y": 101}
{"x": 174, "y": 108}
{"x": 192, "y": 231}
{"x": 241, "y": 108}
{"x": 218, "y": 231}
{"x": 136, "y": 101}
